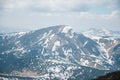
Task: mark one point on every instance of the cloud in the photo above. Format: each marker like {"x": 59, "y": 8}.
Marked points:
{"x": 78, "y": 8}
{"x": 113, "y": 15}
{"x": 50, "y": 5}
{"x": 12, "y": 5}
{"x": 115, "y": 4}
{"x": 59, "y": 5}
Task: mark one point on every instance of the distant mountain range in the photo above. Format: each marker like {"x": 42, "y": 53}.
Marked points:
{"x": 59, "y": 53}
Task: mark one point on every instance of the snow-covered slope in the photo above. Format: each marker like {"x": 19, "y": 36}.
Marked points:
{"x": 109, "y": 41}
{"x": 57, "y": 52}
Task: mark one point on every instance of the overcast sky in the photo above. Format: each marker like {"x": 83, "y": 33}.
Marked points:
{"x": 23, "y": 15}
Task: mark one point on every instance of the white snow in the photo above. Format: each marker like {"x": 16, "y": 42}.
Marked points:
{"x": 82, "y": 53}
{"x": 58, "y": 72}
{"x": 110, "y": 61}
{"x": 40, "y": 39}
{"x": 17, "y": 42}
{"x": 44, "y": 35}
{"x": 22, "y": 33}
{"x": 2, "y": 78}
{"x": 61, "y": 61}
{"x": 56, "y": 44}
{"x": 19, "y": 49}
{"x": 52, "y": 36}
{"x": 66, "y": 29}
{"x": 66, "y": 52}
{"x": 50, "y": 32}
{"x": 92, "y": 36}
{"x": 84, "y": 62}
{"x": 56, "y": 69}
{"x": 98, "y": 61}
{"x": 46, "y": 43}
{"x": 85, "y": 43}
{"x": 105, "y": 32}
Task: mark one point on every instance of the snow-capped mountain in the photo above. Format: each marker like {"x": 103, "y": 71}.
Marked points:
{"x": 57, "y": 53}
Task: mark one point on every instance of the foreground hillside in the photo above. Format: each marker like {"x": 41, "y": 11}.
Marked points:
{"x": 110, "y": 76}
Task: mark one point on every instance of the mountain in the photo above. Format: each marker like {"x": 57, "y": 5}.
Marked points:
{"x": 56, "y": 53}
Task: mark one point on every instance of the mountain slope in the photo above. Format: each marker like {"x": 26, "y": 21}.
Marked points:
{"x": 55, "y": 52}
{"x": 109, "y": 41}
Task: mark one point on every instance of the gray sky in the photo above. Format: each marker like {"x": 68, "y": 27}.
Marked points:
{"x": 23, "y": 15}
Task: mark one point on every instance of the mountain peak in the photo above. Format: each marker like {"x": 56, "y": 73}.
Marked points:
{"x": 61, "y": 28}
{"x": 66, "y": 29}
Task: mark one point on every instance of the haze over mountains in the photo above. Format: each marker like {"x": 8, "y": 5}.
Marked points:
{"x": 58, "y": 52}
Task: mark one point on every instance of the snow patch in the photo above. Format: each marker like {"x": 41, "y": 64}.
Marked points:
{"x": 22, "y": 33}
{"x": 52, "y": 36}
{"x": 56, "y": 44}
{"x": 55, "y": 69}
{"x": 85, "y": 43}
{"x": 67, "y": 52}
